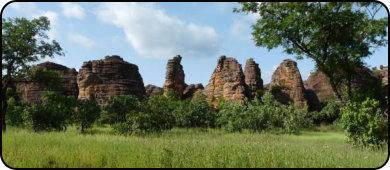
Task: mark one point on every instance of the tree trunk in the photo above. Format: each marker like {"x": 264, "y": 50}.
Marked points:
{"x": 82, "y": 128}
{"x": 334, "y": 88}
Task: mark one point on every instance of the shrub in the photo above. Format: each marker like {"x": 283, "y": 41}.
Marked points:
{"x": 53, "y": 113}
{"x": 151, "y": 115}
{"x": 119, "y": 106}
{"x": 140, "y": 123}
{"x": 261, "y": 115}
{"x": 194, "y": 113}
{"x": 231, "y": 116}
{"x": 364, "y": 122}
{"x": 16, "y": 112}
{"x": 328, "y": 114}
{"x": 160, "y": 109}
{"x": 86, "y": 113}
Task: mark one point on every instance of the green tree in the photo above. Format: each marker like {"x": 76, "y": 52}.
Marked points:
{"x": 87, "y": 112}
{"x": 336, "y": 35}
{"x": 53, "y": 113}
{"x": 365, "y": 122}
{"x": 119, "y": 106}
{"x": 47, "y": 79}
{"x": 23, "y": 42}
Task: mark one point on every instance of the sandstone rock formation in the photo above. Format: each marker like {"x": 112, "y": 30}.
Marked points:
{"x": 153, "y": 90}
{"x": 31, "y": 91}
{"x": 318, "y": 90}
{"x": 253, "y": 77}
{"x": 174, "y": 77}
{"x": 287, "y": 85}
{"x": 108, "y": 77}
{"x": 227, "y": 81}
{"x": 384, "y": 74}
{"x": 319, "y": 83}
{"x": 191, "y": 90}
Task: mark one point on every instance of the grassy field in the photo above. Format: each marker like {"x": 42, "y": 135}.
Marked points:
{"x": 183, "y": 148}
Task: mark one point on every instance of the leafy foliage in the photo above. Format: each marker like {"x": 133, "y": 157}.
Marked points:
{"x": 328, "y": 114}
{"x": 23, "y": 42}
{"x": 47, "y": 79}
{"x": 194, "y": 113}
{"x": 230, "y": 116}
{"x": 16, "y": 112}
{"x": 87, "y": 112}
{"x": 261, "y": 115}
{"x": 336, "y": 35}
{"x": 365, "y": 123}
{"x": 119, "y": 106}
{"x": 54, "y": 113}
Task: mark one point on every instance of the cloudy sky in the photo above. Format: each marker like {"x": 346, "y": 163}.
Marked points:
{"x": 148, "y": 34}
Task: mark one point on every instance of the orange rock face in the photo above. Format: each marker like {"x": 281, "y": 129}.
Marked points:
{"x": 385, "y": 75}
{"x": 253, "y": 77}
{"x": 109, "y": 77}
{"x": 31, "y": 91}
{"x": 192, "y": 90}
{"x": 319, "y": 83}
{"x": 287, "y": 85}
{"x": 174, "y": 77}
{"x": 153, "y": 90}
{"x": 227, "y": 81}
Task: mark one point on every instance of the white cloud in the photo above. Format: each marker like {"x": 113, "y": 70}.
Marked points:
{"x": 82, "y": 40}
{"x": 31, "y": 11}
{"x": 152, "y": 32}
{"x": 72, "y": 10}
{"x": 240, "y": 30}
{"x": 24, "y": 7}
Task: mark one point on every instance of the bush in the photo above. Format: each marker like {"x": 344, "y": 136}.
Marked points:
{"x": 118, "y": 107}
{"x": 230, "y": 116}
{"x": 261, "y": 115}
{"x": 86, "y": 113}
{"x": 160, "y": 109}
{"x": 53, "y": 113}
{"x": 328, "y": 114}
{"x": 16, "y": 112}
{"x": 365, "y": 123}
{"x": 194, "y": 113}
{"x": 151, "y": 115}
{"x": 140, "y": 123}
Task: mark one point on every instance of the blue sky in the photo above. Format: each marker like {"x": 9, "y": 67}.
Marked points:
{"x": 148, "y": 34}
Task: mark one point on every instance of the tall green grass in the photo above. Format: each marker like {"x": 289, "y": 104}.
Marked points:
{"x": 183, "y": 148}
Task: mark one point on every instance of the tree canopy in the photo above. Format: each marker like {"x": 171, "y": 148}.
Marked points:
{"x": 23, "y": 42}
{"x": 336, "y": 35}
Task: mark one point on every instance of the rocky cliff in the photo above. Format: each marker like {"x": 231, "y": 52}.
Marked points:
{"x": 192, "y": 90}
{"x": 108, "y": 77}
{"x": 287, "y": 85}
{"x": 318, "y": 84}
{"x": 253, "y": 77}
{"x": 153, "y": 90}
{"x": 31, "y": 91}
{"x": 384, "y": 74}
{"x": 227, "y": 81}
{"x": 174, "y": 76}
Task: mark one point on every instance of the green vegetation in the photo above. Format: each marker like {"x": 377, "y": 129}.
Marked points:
{"x": 54, "y": 113}
{"x": 365, "y": 123}
{"x": 23, "y": 42}
{"x": 261, "y": 115}
{"x": 99, "y": 147}
{"x": 87, "y": 112}
{"x": 337, "y": 36}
